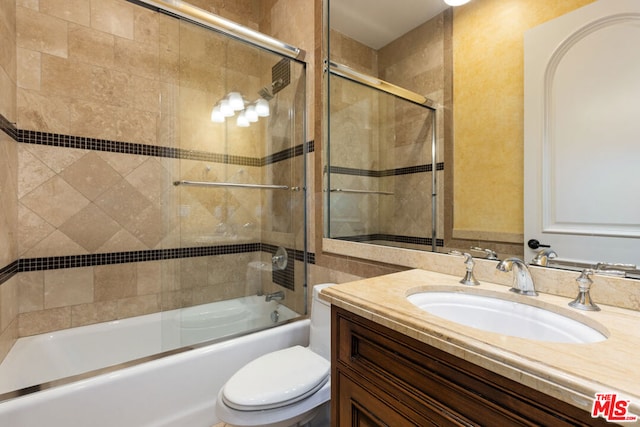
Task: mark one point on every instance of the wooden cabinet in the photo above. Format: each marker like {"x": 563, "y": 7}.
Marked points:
{"x": 384, "y": 378}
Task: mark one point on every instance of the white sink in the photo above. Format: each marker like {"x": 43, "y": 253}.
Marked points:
{"x": 505, "y": 317}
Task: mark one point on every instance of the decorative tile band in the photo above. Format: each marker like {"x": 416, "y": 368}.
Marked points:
{"x": 90, "y": 260}
{"x": 425, "y": 241}
{"x": 9, "y": 128}
{"x": 85, "y": 143}
{"x": 387, "y": 172}
{"x": 9, "y": 271}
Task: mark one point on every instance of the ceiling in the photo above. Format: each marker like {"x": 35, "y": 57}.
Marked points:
{"x": 376, "y": 23}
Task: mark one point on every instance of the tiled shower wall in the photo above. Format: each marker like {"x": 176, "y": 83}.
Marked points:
{"x": 8, "y": 181}
{"x": 124, "y": 78}
{"x": 416, "y": 61}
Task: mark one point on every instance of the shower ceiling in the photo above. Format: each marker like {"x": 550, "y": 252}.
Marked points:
{"x": 376, "y": 23}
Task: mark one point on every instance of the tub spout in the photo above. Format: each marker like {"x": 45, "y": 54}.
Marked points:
{"x": 274, "y": 296}
{"x": 522, "y": 281}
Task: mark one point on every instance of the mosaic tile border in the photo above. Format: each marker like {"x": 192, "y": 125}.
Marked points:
{"x": 387, "y": 172}
{"x": 425, "y": 241}
{"x": 84, "y": 143}
{"x": 91, "y": 260}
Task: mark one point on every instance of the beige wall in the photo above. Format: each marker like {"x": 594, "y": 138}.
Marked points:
{"x": 488, "y": 100}
{"x": 8, "y": 178}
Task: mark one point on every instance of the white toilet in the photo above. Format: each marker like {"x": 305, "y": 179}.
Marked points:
{"x": 285, "y": 388}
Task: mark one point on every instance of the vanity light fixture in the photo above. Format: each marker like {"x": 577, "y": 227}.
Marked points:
{"x": 262, "y": 107}
{"x": 456, "y": 2}
{"x": 234, "y": 103}
{"x": 216, "y": 115}
{"x": 242, "y": 121}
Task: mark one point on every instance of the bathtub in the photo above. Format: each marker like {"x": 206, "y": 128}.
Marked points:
{"x": 174, "y": 390}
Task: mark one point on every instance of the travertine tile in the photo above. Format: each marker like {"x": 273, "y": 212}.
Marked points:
{"x": 113, "y": 17}
{"x": 138, "y": 306}
{"x": 91, "y": 46}
{"x": 33, "y": 172}
{"x": 87, "y": 314}
{"x": 41, "y": 33}
{"x": 137, "y": 58}
{"x": 65, "y": 77}
{"x": 90, "y": 228}
{"x": 29, "y": 69}
{"x": 149, "y": 277}
{"x": 110, "y": 86}
{"x": 8, "y": 302}
{"x": 55, "y": 244}
{"x": 122, "y": 241}
{"x": 113, "y": 282}
{"x": 42, "y": 113}
{"x": 151, "y": 179}
{"x": 56, "y": 158}
{"x": 31, "y": 291}
{"x": 92, "y": 119}
{"x": 8, "y": 338}
{"x": 77, "y": 11}
{"x": 67, "y": 287}
{"x": 90, "y": 175}
{"x": 32, "y": 229}
{"x": 55, "y": 201}
{"x": 123, "y": 203}
{"x": 146, "y": 25}
{"x": 39, "y": 322}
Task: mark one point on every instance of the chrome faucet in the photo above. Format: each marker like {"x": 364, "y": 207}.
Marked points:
{"x": 274, "y": 296}
{"x": 522, "y": 281}
{"x": 543, "y": 256}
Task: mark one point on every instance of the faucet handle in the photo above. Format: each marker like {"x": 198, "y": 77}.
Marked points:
{"x": 583, "y": 301}
{"x": 614, "y": 269}
{"x": 468, "y": 278}
{"x": 489, "y": 253}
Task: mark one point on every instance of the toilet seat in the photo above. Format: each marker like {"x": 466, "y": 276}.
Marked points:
{"x": 276, "y": 379}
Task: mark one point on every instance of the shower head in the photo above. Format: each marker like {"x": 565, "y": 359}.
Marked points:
{"x": 266, "y": 93}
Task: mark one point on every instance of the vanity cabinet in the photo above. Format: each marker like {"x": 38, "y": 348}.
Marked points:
{"x": 383, "y": 378}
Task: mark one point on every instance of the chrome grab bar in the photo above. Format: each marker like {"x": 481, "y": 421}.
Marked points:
{"x": 348, "y": 190}
{"x": 233, "y": 185}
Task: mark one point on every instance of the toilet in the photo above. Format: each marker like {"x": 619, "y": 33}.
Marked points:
{"x": 284, "y": 388}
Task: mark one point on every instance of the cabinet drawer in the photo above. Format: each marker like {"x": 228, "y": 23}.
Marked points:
{"x": 403, "y": 366}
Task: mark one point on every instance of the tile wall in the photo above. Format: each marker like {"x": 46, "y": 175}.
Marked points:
{"x": 8, "y": 180}
{"x": 416, "y": 61}
{"x": 102, "y": 93}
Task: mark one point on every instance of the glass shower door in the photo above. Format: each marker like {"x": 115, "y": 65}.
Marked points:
{"x": 234, "y": 114}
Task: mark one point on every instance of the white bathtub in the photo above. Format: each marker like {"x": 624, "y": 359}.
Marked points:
{"x": 176, "y": 390}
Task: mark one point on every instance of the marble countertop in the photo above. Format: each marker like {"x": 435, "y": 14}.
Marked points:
{"x": 573, "y": 373}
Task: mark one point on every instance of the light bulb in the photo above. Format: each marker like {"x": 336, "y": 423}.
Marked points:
{"x": 226, "y": 109}
{"x": 235, "y": 101}
{"x": 262, "y": 108}
{"x": 251, "y": 114}
{"x": 216, "y": 115}
{"x": 456, "y": 2}
{"x": 242, "y": 121}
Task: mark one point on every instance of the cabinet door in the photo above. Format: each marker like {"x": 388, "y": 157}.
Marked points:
{"x": 358, "y": 407}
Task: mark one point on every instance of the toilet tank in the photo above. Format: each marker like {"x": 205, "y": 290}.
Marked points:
{"x": 320, "y": 333}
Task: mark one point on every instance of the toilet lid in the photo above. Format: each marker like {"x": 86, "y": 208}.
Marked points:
{"x": 276, "y": 379}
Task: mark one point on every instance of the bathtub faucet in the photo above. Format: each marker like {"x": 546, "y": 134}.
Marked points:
{"x": 274, "y": 296}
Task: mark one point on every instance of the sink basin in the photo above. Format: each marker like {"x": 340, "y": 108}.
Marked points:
{"x": 505, "y": 317}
